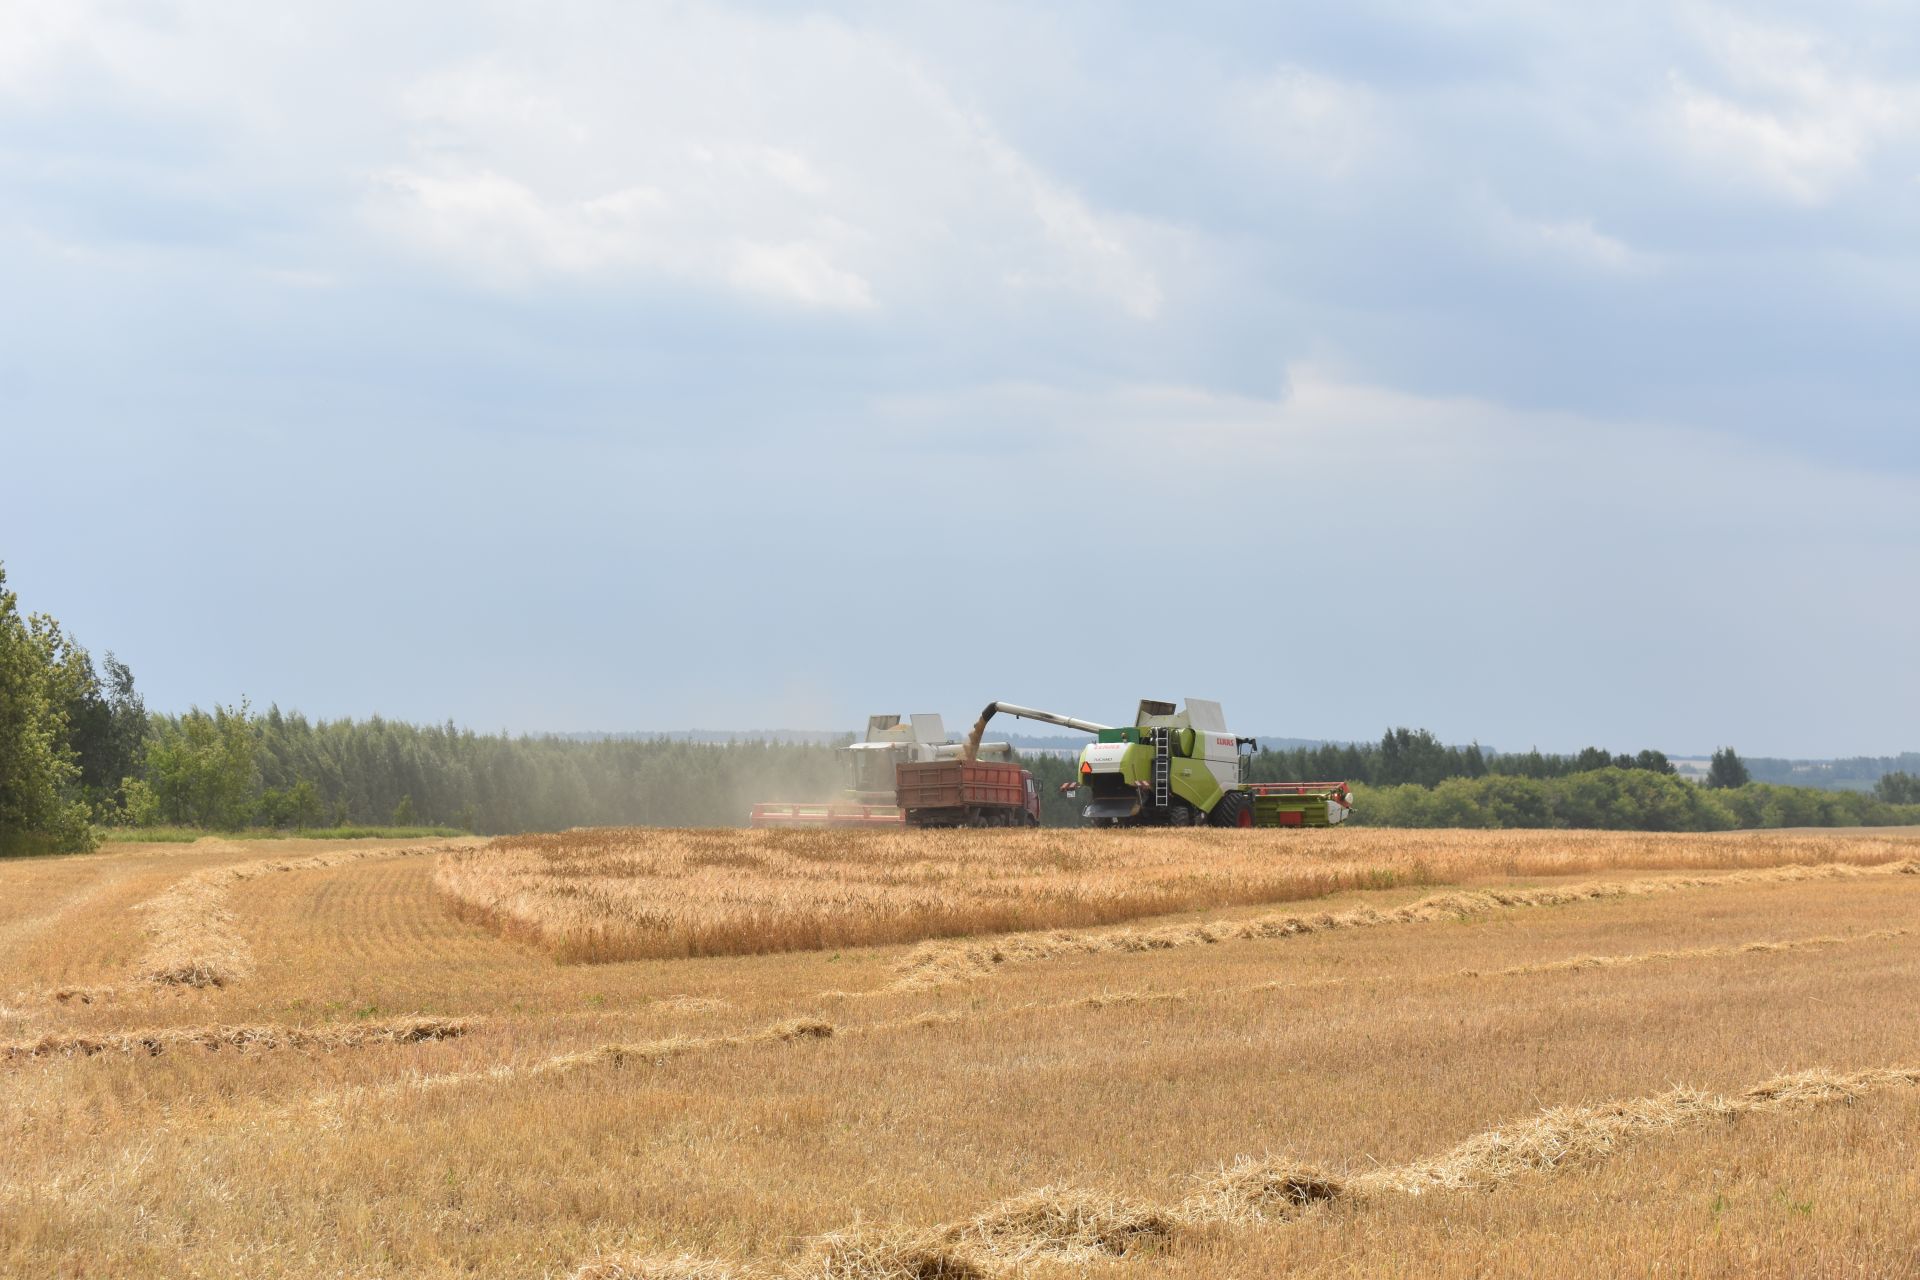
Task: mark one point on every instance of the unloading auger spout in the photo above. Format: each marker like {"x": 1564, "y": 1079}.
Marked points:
{"x": 1025, "y": 713}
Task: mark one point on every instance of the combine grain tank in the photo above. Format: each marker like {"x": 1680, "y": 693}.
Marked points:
{"x": 1175, "y": 767}
{"x": 966, "y": 793}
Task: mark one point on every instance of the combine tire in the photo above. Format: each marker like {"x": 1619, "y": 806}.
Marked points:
{"x": 1234, "y": 810}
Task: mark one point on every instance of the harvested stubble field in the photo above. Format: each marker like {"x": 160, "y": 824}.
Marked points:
{"x": 1467, "y": 1054}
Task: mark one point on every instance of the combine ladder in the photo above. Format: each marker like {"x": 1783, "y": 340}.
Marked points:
{"x": 1162, "y": 768}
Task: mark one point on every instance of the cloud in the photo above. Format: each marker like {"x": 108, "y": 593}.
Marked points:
{"x": 1574, "y": 242}
{"x": 1791, "y": 114}
{"x": 1311, "y": 126}
{"x": 1546, "y": 338}
{"x": 802, "y": 160}
{"x": 798, "y": 273}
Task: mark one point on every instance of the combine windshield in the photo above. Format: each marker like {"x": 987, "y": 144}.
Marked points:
{"x": 872, "y": 768}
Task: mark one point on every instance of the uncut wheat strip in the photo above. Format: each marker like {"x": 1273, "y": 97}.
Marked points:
{"x": 1071, "y": 1225}
{"x": 936, "y": 964}
{"x": 611, "y": 894}
{"x": 154, "y": 1041}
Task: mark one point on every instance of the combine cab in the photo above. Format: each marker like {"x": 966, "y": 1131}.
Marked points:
{"x": 869, "y": 800}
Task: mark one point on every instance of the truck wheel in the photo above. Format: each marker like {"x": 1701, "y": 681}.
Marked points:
{"x": 1234, "y": 810}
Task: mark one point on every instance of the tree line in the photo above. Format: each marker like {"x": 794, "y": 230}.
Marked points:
{"x": 1626, "y": 800}
{"x": 1414, "y": 756}
{"x": 79, "y": 751}
{"x": 230, "y": 768}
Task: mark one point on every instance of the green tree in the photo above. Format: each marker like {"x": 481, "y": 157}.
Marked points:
{"x": 1897, "y": 788}
{"x": 41, "y": 809}
{"x": 1727, "y": 770}
{"x": 1654, "y": 762}
{"x": 303, "y": 804}
{"x": 201, "y": 768}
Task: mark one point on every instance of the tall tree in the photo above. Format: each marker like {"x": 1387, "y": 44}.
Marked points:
{"x": 107, "y": 728}
{"x": 41, "y": 809}
{"x": 201, "y": 768}
{"x": 1898, "y": 788}
{"x": 1727, "y": 770}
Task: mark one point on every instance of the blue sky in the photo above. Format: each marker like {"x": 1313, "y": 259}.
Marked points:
{"x": 1539, "y": 374}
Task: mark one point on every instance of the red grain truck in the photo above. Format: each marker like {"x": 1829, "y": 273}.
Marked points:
{"x": 966, "y": 793}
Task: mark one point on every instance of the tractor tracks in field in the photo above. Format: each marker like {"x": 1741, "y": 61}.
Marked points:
{"x": 1068, "y": 1225}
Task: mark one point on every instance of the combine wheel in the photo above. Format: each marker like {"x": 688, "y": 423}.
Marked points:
{"x": 1234, "y": 810}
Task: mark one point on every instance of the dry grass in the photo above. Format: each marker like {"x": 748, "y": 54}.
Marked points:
{"x": 683, "y": 1266}
{"x": 1703, "y": 953}
{"x": 1264, "y": 1103}
{"x": 628, "y": 894}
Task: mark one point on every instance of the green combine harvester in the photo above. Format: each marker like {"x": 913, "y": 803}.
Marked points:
{"x": 1180, "y": 768}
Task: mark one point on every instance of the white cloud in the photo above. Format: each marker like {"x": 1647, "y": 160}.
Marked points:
{"x": 1792, "y": 114}
{"x": 796, "y": 158}
{"x": 802, "y": 160}
{"x": 798, "y": 273}
{"x": 1575, "y": 242}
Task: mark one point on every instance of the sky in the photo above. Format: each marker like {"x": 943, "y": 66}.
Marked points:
{"x": 1539, "y": 374}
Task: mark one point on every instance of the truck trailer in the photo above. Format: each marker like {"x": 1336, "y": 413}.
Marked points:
{"x": 966, "y": 793}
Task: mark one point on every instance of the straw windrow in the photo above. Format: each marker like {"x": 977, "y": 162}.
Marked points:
{"x": 1068, "y": 1225}
{"x": 245, "y": 1039}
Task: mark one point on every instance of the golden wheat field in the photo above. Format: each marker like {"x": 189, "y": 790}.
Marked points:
{"x": 613, "y": 1054}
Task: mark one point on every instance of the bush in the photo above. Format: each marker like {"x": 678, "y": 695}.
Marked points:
{"x": 1618, "y": 799}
